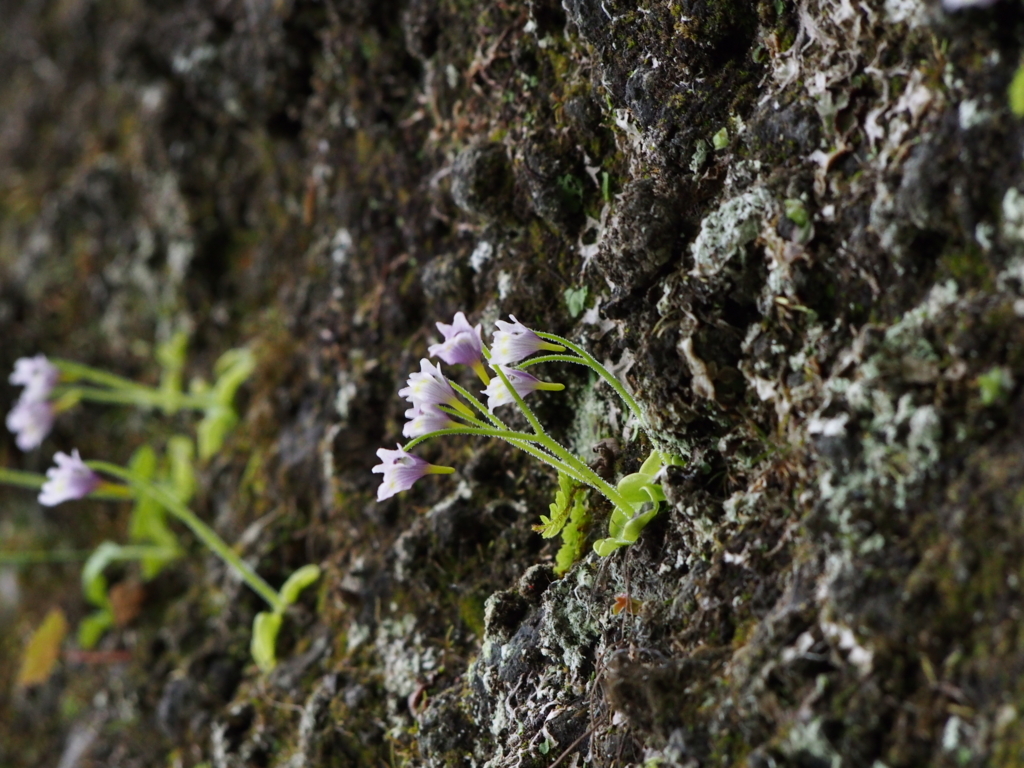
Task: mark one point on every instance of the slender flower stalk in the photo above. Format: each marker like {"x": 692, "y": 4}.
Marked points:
{"x": 205, "y": 533}
{"x": 591, "y": 362}
{"x": 553, "y": 454}
{"x": 37, "y": 556}
{"x": 524, "y": 383}
{"x": 142, "y": 397}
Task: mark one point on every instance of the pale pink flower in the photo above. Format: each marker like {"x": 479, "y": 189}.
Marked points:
{"x": 70, "y": 479}
{"x": 462, "y": 343}
{"x": 513, "y": 342}
{"x": 30, "y": 421}
{"x": 523, "y": 382}
{"x": 424, "y": 420}
{"x": 37, "y": 375}
{"x": 400, "y": 469}
{"x": 428, "y": 387}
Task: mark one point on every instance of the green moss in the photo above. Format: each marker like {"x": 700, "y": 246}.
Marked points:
{"x": 968, "y": 266}
{"x": 471, "y": 611}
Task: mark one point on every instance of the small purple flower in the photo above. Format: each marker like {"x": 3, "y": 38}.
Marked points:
{"x": 425, "y": 419}
{"x": 37, "y": 375}
{"x": 514, "y": 341}
{"x": 956, "y": 5}
{"x": 401, "y": 469}
{"x": 524, "y": 383}
{"x": 70, "y": 479}
{"x": 462, "y": 345}
{"x": 428, "y": 387}
{"x": 30, "y": 421}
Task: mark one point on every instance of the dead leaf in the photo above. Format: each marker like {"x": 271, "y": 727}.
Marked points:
{"x": 126, "y": 598}
{"x": 43, "y": 650}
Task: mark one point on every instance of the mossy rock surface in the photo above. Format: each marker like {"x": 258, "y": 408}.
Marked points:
{"x": 800, "y": 227}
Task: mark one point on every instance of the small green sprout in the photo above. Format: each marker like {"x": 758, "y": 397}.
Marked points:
{"x": 797, "y": 212}
{"x": 1015, "y": 94}
{"x": 995, "y": 385}
{"x": 721, "y": 139}
{"x": 569, "y": 517}
{"x": 576, "y": 300}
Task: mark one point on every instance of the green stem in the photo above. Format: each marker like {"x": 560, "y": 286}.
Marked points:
{"x": 139, "y": 396}
{"x": 142, "y": 551}
{"x": 479, "y": 406}
{"x": 553, "y": 359}
{"x": 205, "y": 533}
{"x": 34, "y": 481}
{"x": 36, "y": 556}
{"x": 534, "y": 422}
{"x": 460, "y": 415}
{"x": 527, "y": 446}
{"x": 591, "y": 362}
{"x": 73, "y": 371}
{"x": 569, "y": 464}
{"x": 21, "y": 479}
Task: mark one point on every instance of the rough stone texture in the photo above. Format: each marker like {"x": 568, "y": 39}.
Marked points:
{"x": 801, "y": 230}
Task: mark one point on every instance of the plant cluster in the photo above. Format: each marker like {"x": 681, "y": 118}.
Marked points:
{"x": 156, "y": 485}
{"x": 442, "y": 407}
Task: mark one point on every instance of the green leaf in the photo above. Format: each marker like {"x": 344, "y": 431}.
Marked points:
{"x": 43, "y": 650}
{"x": 631, "y": 531}
{"x": 1016, "y": 92}
{"x": 573, "y": 536}
{"x": 264, "y": 640}
{"x": 94, "y": 583}
{"x": 995, "y": 385}
{"x": 559, "y": 510}
{"x": 143, "y": 463}
{"x": 171, "y": 356}
{"x": 180, "y": 454}
{"x": 796, "y": 212}
{"x": 652, "y": 464}
{"x": 93, "y": 627}
{"x": 151, "y": 565}
{"x": 634, "y": 487}
{"x": 605, "y": 547}
{"x": 148, "y": 523}
{"x": 297, "y": 582}
{"x": 232, "y": 369}
{"x": 213, "y": 429}
{"x": 576, "y": 300}
{"x": 721, "y": 139}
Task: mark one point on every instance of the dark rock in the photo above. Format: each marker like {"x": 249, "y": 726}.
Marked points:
{"x": 447, "y": 732}
{"x": 174, "y": 710}
{"x": 584, "y": 114}
{"x": 642, "y": 235}
{"x": 555, "y": 180}
{"x": 503, "y": 612}
{"x": 482, "y": 180}
{"x": 534, "y": 581}
{"x": 421, "y": 25}
{"x": 448, "y": 284}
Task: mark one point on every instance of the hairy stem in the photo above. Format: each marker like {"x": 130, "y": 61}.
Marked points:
{"x": 591, "y": 362}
